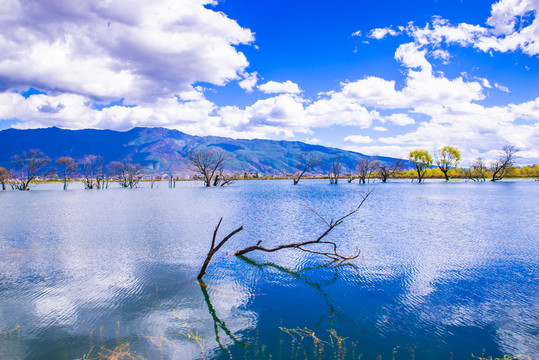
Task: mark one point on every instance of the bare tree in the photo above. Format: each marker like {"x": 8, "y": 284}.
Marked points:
{"x": 307, "y": 161}
{"x": 155, "y": 179}
{"x": 505, "y": 162}
{"x": 4, "y": 177}
{"x": 477, "y": 171}
{"x": 335, "y": 168}
{"x": 128, "y": 175}
{"x": 171, "y": 180}
{"x": 365, "y": 168}
{"x": 68, "y": 167}
{"x": 208, "y": 163}
{"x": 33, "y": 164}
{"x": 385, "y": 171}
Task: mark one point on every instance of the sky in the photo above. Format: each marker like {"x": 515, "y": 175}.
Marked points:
{"x": 377, "y": 77}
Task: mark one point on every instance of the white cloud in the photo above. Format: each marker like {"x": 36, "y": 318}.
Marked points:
{"x": 273, "y": 87}
{"x": 358, "y": 139}
{"x": 381, "y": 33}
{"x": 313, "y": 141}
{"x": 249, "y": 82}
{"x": 400, "y": 119}
{"x": 502, "y": 34}
{"x": 441, "y": 55}
{"x": 109, "y": 50}
{"x": 501, "y": 88}
{"x": 356, "y": 33}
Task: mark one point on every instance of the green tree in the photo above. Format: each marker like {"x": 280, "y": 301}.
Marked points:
{"x": 446, "y": 158}
{"x": 422, "y": 161}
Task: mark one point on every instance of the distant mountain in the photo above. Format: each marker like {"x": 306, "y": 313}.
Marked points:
{"x": 160, "y": 150}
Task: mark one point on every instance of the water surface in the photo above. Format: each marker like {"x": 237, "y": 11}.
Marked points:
{"x": 446, "y": 270}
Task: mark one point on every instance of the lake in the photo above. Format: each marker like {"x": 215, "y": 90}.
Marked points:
{"x": 448, "y": 270}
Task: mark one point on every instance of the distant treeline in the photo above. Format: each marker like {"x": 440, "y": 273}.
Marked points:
{"x": 211, "y": 167}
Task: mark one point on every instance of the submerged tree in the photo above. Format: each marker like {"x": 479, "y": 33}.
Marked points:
{"x": 68, "y": 167}
{"x": 127, "y": 175}
{"x": 208, "y": 164}
{"x": 94, "y": 169}
{"x": 365, "y": 167}
{"x": 334, "y": 171}
{"x": 385, "y": 171}
{"x": 33, "y": 164}
{"x": 446, "y": 158}
{"x": 477, "y": 170}
{"x": 422, "y": 161}
{"x": 504, "y": 163}
{"x": 307, "y": 162}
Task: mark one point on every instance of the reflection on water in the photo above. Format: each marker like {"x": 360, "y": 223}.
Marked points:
{"x": 446, "y": 270}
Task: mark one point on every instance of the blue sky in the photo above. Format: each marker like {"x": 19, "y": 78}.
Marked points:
{"x": 381, "y": 78}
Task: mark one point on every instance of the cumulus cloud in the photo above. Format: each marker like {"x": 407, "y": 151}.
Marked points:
{"x": 109, "y": 50}
{"x": 154, "y": 59}
{"x": 502, "y": 33}
{"x": 273, "y": 87}
{"x": 249, "y": 82}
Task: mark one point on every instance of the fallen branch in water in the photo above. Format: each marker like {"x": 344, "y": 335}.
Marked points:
{"x": 214, "y": 248}
{"x": 332, "y": 253}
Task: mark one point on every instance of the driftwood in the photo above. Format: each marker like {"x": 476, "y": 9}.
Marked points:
{"x": 214, "y": 248}
{"x": 332, "y": 253}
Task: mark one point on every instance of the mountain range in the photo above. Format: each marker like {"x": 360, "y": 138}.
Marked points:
{"x": 161, "y": 150}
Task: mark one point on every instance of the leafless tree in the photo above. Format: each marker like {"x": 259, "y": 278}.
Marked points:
{"x": 90, "y": 167}
{"x": 68, "y": 167}
{"x": 155, "y": 179}
{"x": 477, "y": 170}
{"x": 505, "y": 162}
{"x": 33, "y": 164}
{"x": 208, "y": 163}
{"x": 385, "y": 171}
{"x": 365, "y": 168}
{"x": 128, "y": 175}
{"x": 171, "y": 180}
{"x": 4, "y": 177}
{"x": 307, "y": 161}
{"x": 335, "y": 168}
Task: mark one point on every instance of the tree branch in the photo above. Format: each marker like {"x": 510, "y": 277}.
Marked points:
{"x": 214, "y": 248}
{"x": 335, "y": 255}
